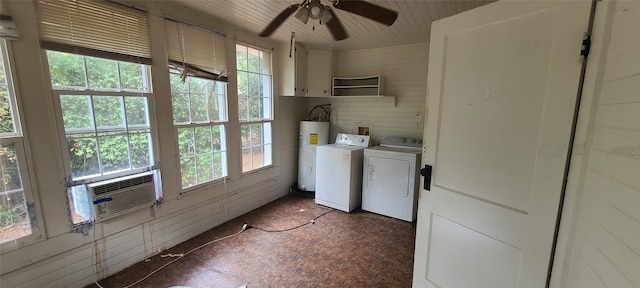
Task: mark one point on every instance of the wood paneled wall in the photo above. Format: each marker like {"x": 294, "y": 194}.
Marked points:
{"x": 605, "y": 249}
{"x": 292, "y": 111}
{"x": 120, "y": 250}
{"x": 405, "y": 72}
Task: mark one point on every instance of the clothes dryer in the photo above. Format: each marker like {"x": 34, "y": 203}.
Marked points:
{"x": 391, "y": 175}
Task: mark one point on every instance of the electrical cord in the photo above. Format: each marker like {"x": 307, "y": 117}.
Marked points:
{"x": 180, "y": 256}
{"x": 244, "y": 227}
{"x": 94, "y": 253}
{"x": 312, "y": 221}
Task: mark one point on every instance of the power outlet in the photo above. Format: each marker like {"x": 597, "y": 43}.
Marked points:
{"x": 418, "y": 118}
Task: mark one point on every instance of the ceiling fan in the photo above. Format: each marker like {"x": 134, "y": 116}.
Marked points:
{"x": 324, "y": 13}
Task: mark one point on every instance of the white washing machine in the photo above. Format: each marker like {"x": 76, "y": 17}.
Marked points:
{"x": 339, "y": 172}
{"x": 391, "y": 176}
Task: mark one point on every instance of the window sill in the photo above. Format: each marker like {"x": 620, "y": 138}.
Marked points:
{"x": 257, "y": 170}
{"x": 202, "y": 187}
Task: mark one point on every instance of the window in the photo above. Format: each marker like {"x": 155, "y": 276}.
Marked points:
{"x": 200, "y": 116}
{"x": 197, "y": 58}
{"x": 16, "y": 213}
{"x": 255, "y": 106}
{"x": 98, "y": 54}
{"x": 104, "y": 106}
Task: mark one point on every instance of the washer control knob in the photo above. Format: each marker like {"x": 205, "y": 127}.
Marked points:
{"x": 413, "y": 140}
{"x": 361, "y": 139}
{"x": 403, "y": 140}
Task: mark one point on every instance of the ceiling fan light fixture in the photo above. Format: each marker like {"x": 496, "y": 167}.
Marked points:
{"x": 315, "y": 9}
{"x": 325, "y": 14}
{"x": 302, "y": 15}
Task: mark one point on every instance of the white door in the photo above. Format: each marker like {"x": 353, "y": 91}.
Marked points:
{"x": 502, "y": 87}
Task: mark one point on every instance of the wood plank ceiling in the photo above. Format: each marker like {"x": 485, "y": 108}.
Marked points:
{"x": 412, "y": 26}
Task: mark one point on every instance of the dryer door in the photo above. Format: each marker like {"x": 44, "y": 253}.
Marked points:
{"x": 388, "y": 176}
{"x": 389, "y": 185}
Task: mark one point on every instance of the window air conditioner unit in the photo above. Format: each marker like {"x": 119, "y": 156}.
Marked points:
{"x": 118, "y": 196}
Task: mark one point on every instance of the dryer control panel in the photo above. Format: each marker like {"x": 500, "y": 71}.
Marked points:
{"x": 401, "y": 142}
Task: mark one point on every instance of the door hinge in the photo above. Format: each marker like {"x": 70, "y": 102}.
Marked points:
{"x": 586, "y": 47}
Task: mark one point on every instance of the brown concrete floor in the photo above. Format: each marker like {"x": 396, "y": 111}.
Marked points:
{"x": 357, "y": 249}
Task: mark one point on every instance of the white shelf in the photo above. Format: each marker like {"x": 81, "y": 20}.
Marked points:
{"x": 372, "y": 86}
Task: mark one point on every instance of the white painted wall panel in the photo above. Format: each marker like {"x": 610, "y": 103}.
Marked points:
{"x": 621, "y": 142}
{"x": 61, "y": 271}
{"x": 622, "y": 169}
{"x": 187, "y": 224}
{"x": 292, "y": 111}
{"x": 52, "y": 268}
{"x": 76, "y": 274}
{"x": 603, "y": 269}
{"x": 605, "y": 251}
{"x": 616, "y": 194}
{"x": 621, "y": 91}
{"x": 623, "y": 65}
{"x": 78, "y": 278}
{"x": 619, "y": 116}
{"x": 627, "y": 13}
{"x": 615, "y": 224}
{"x": 625, "y": 40}
{"x": 581, "y": 275}
{"x": 405, "y": 72}
{"x": 116, "y": 255}
{"x": 615, "y": 258}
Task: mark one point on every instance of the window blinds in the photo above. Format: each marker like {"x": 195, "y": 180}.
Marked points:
{"x": 94, "y": 28}
{"x": 5, "y": 8}
{"x": 7, "y": 26}
{"x": 201, "y": 53}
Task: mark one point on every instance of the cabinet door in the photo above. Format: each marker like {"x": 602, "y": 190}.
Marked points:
{"x": 293, "y": 70}
{"x": 300, "y": 74}
{"x": 319, "y": 68}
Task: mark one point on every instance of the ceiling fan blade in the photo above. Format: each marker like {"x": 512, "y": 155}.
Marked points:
{"x": 276, "y": 22}
{"x": 368, "y": 10}
{"x": 335, "y": 27}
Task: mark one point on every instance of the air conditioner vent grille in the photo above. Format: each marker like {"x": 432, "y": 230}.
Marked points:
{"x": 127, "y": 200}
{"x": 122, "y": 195}
{"x": 115, "y": 186}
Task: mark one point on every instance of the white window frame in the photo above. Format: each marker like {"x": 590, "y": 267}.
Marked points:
{"x": 57, "y": 92}
{"x": 267, "y": 155}
{"x": 267, "y": 139}
{"x": 63, "y": 136}
{"x": 211, "y": 123}
{"x": 17, "y": 138}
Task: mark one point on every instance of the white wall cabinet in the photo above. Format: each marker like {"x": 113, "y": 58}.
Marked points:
{"x": 293, "y": 68}
{"x": 321, "y": 66}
